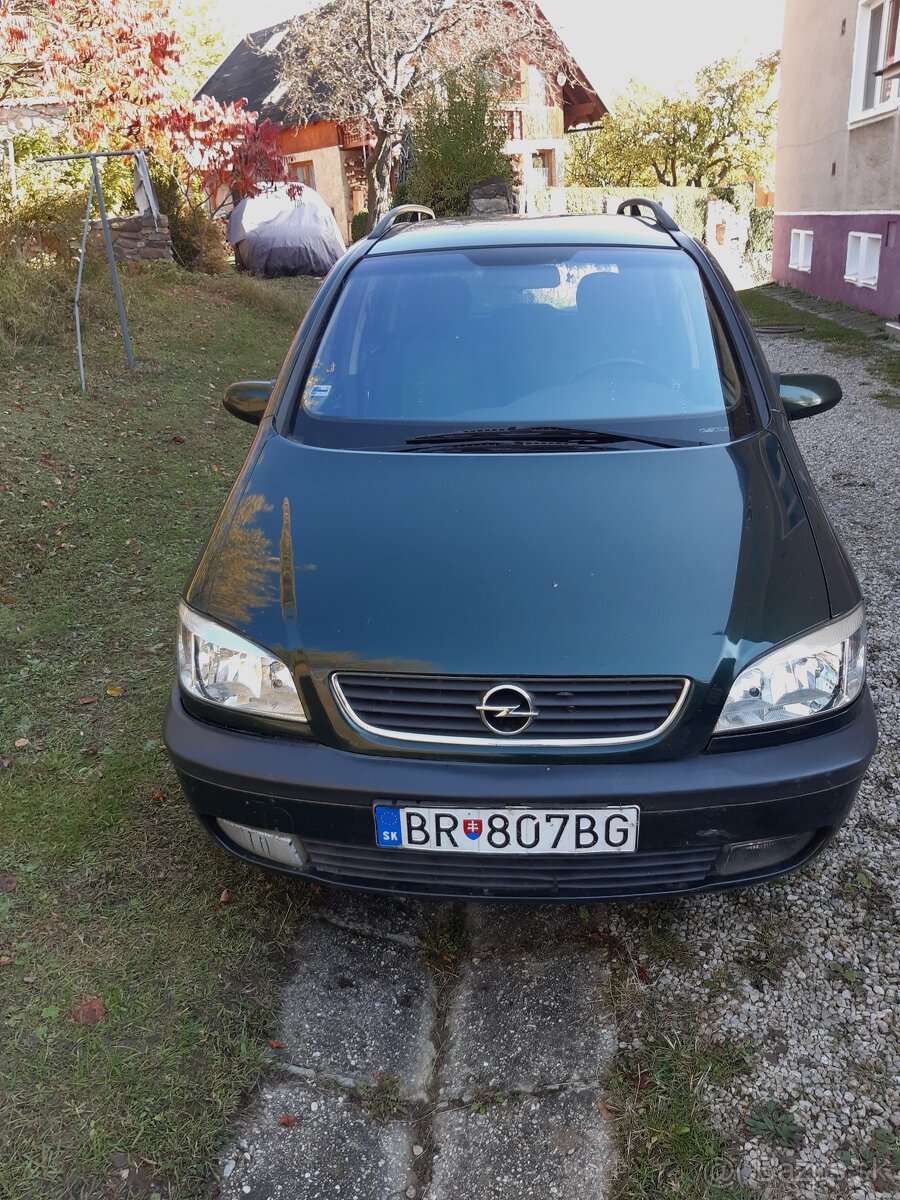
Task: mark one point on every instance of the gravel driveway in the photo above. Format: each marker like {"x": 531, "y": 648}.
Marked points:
{"x": 472, "y": 1061}
{"x": 807, "y": 968}
{"x": 826, "y": 1026}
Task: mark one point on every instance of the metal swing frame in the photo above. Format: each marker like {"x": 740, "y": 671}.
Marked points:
{"x": 96, "y": 188}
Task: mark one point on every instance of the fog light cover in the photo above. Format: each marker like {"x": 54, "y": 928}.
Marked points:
{"x": 282, "y": 848}
{"x": 739, "y": 857}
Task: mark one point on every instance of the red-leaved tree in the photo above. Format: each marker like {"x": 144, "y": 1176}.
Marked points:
{"x": 111, "y": 61}
{"x": 220, "y": 152}
{"x": 115, "y": 64}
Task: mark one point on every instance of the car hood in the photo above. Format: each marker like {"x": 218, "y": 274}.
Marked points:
{"x": 618, "y": 562}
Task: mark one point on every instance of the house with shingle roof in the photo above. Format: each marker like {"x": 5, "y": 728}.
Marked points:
{"x": 331, "y": 157}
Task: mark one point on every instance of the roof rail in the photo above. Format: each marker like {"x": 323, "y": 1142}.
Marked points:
{"x": 389, "y": 220}
{"x": 632, "y": 208}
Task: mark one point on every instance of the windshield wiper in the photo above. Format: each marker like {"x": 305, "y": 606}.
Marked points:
{"x": 542, "y": 435}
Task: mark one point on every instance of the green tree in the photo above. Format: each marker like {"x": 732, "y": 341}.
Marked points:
{"x": 457, "y": 138}
{"x": 613, "y": 155}
{"x": 372, "y": 60}
{"x": 719, "y": 130}
{"x": 202, "y": 41}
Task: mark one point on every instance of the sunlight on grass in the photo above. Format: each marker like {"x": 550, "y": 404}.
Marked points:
{"x": 112, "y": 890}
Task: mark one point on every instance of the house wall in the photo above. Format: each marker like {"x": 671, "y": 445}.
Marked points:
{"x": 536, "y": 127}
{"x": 833, "y": 175}
{"x": 318, "y": 135}
{"x": 829, "y": 258}
{"x": 329, "y": 178}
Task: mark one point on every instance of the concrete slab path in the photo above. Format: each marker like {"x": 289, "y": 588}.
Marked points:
{"x": 433, "y": 1052}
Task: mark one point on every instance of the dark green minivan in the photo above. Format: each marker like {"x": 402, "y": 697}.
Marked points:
{"x": 524, "y": 590}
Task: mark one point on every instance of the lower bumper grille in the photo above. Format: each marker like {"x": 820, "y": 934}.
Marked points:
{"x": 565, "y": 876}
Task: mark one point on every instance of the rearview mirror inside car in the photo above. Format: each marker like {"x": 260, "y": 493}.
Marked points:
{"x": 806, "y": 395}
{"x": 248, "y": 399}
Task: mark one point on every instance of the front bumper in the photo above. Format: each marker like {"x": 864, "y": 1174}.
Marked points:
{"x": 690, "y": 808}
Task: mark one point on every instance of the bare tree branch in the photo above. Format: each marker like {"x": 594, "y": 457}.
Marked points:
{"x": 370, "y": 60}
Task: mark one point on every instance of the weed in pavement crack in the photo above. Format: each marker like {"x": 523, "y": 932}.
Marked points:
{"x": 445, "y": 943}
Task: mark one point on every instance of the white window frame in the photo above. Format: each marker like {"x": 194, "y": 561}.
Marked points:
{"x": 801, "y": 250}
{"x": 863, "y": 259}
{"x": 859, "y": 114}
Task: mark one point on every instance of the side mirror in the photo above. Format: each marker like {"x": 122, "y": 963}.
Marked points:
{"x": 248, "y": 399}
{"x": 806, "y": 395}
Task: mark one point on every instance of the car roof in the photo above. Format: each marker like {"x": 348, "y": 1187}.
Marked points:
{"x": 480, "y": 232}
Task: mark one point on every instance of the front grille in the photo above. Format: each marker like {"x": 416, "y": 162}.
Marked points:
{"x": 570, "y": 876}
{"x": 579, "y": 711}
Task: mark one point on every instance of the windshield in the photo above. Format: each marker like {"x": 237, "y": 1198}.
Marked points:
{"x": 618, "y": 339}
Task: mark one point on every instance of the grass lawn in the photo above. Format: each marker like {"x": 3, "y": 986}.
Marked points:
{"x": 764, "y": 308}
{"x": 109, "y": 890}
{"x": 139, "y": 965}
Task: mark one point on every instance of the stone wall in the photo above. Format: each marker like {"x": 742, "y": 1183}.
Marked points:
{"x": 136, "y": 238}
{"x": 493, "y": 196}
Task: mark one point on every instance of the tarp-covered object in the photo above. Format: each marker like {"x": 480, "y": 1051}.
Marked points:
{"x": 300, "y": 238}
{"x": 251, "y": 212}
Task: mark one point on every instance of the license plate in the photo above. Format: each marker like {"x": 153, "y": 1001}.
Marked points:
{"x": 508, "y": 830}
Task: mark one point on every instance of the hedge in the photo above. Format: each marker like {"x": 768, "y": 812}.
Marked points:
{"x": 762, "y": 225}
{"x": 686, "y": 204}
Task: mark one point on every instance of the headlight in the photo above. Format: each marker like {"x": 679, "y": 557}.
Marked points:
{"x": 820, "y": 672}
{"x": 220, "y": 667}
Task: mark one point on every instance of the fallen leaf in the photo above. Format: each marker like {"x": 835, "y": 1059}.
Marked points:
{"x": 158, "y": 795}
{"x": 224, "y": 898}
{"x": 604, "y": 1110}
{"x": 287, "y": 1119}
{"x": 275, "y": 1044}
{"x": 642, "y": 975}
{"x": 91, "y": 751}
{"x": 7, "y": 883}
{"x": 89, "y": 1012}
{"x": 28, "y": 979}
{"x": 21, "y": 743}
{"x": 115, "y": 690}
{"x": 6, "y": 599}
{"x": 5, "y": 960}
{"x": 178, "y": 439}
{"x": 5, "y": 762}
{"x": 87, "y": 700}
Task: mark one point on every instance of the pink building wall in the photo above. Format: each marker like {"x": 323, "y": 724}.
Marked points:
{"x": 829, "y": 257}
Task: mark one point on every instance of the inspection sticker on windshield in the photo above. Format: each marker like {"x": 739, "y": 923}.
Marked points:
{"x": 319, "y": 391}
{"x": 508, "y": 830}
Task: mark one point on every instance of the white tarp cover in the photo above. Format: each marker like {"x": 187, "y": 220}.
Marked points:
{"x": 144, "y": 191}
{"x": 251, "y": 212}
{"x": 275, "y": 235}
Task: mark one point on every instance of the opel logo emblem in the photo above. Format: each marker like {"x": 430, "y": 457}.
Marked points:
{"x": 506, "y": 709}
